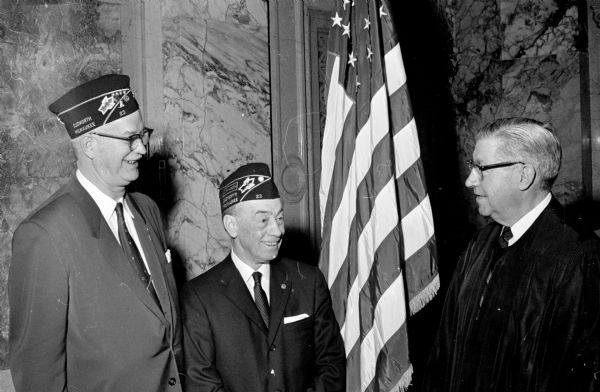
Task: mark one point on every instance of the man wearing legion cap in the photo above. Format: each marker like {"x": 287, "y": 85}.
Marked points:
{"x": 93, "y": 301}
{"x": 256, "y": 321}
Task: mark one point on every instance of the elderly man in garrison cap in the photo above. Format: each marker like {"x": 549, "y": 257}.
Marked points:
{"x": 93, "y": 301}
{"x": 256, "y": 322}
{"x": 522, "y": 313}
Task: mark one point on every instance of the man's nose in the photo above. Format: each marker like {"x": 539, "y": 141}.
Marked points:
{"x": 276, "y": 228}
{"x": 140, "y": 148}
{"x": 472, "y": 180}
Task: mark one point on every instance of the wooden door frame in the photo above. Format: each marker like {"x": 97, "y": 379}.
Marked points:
{"x": 294, "y": 28}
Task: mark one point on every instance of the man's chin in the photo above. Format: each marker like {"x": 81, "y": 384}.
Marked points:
{"x": 483, "y": 211}
{"x": 131, "y": 175}
{"x": 271, "y": 255}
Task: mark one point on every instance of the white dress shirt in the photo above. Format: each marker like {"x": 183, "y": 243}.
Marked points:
{"x": 523, "y": 224}
{"x": 107, "y": 207}
{"x": 246, "y": 271}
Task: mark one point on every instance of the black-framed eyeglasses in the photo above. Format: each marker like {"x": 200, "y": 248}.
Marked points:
{"x": 479, "y": 169}
{"x": 142, "y": 138}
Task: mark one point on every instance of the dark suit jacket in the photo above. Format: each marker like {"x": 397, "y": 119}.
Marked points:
{"x": 228, "y": 348}
{"x": 534, "y": 326}
{"x": 80, "y": 320}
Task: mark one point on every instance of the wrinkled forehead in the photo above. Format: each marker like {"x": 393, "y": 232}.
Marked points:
{"x": 270, "y": 206}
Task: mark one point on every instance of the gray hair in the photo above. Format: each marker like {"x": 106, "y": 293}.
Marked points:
{"x": 529, "y": 141}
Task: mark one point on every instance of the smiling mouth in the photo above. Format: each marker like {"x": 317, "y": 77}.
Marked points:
{"x": 131, "y": 162}
{"x": 271, "y": 243}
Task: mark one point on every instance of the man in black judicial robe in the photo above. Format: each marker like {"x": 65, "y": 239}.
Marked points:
{"x": 522, "y": 312}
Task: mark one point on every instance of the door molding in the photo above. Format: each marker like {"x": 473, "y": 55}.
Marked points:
{"x": 295, "y": 30}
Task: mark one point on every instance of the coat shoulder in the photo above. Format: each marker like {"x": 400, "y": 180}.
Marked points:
{"x": 60, "y": 204}
{"x": 554, "y": 235}
{"x": 298, "y": 270}
{"x": 206, "y": 281}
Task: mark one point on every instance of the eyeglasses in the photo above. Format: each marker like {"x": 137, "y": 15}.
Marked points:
{"x": 479, "y": 169}
{"x": 135, "y": 141}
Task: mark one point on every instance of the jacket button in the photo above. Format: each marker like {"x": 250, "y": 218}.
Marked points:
{"x": 172, "y": 381}
{"x": 272, "y": 348}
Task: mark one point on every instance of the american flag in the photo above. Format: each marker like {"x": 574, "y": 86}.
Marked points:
{"x": 378, "y": 250}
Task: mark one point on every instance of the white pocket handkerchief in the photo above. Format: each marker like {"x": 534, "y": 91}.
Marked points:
{"x": 293, "y": 319}
{"x": 168, "y": 255}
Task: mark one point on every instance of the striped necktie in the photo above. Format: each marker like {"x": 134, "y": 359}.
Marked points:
{"x": 133, "y": 254}
{"x": 260, "y": 298}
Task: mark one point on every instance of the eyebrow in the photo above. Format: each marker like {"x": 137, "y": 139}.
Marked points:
{"x": 268, "y": 212}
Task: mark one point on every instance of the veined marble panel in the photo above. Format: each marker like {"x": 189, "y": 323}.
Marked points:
{"x": 476, "y": 28}
{"x": 538, "y": 28}
{"x": 217, "y": 115}
{"x": 45, "y": 49}
{"x": 243, "y": 12}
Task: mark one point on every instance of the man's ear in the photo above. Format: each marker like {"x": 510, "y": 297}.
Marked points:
{"x": 86, "y": 145}
{"x": 528, "y": 176}
{"x": 231, "y": 225}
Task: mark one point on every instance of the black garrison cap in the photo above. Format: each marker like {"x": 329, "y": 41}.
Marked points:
{"x": 95, "y": 103}
{"x": 250, "y": 182}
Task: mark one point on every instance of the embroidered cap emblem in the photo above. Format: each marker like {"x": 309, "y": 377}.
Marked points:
{"x": 247, "y": 184}
{"x": 107, "y": 104}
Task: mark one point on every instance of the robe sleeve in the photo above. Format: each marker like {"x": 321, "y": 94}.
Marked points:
{"x": 436, "y": 370}
{"x": 571, "y": 327}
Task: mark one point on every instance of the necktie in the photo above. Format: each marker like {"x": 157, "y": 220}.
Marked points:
{"x": 260, "y": 298}
{"x": 497, "y": 253}
{"x": 133, "y": 254}
{"x": 505, "y": 237}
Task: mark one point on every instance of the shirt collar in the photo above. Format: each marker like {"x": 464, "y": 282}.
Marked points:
{"x": 523, "y": 224}
{"x": 246, "y": 271}
{"x": 105, "y": 203}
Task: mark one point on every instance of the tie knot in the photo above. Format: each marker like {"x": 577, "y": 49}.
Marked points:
{"x": 119, "y": 209}
{"x": 505, "y": 236}
{"x": 257, "y": 275}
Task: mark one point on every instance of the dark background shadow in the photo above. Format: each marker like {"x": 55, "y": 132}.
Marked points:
{"x": 155, "y": 180}
{"x": 298, "y": 246}
{"x": 427, "y": 48}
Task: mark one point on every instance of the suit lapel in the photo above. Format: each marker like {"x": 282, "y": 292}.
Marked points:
{"x": 145, "y": 235}
{"x": 281, "y": 287}
{"x": 108, "y": 245}
{"x": 237, "y": 292}
{"x": 115, "y": 257}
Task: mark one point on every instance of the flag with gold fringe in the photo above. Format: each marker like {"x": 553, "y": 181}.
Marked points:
{"x": 378, "y": 248}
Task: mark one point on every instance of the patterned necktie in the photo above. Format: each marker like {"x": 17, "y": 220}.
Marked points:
{"x": 505, "y": 237}
{"x": 133, "y": 254}
{"x": 260, "y": 298}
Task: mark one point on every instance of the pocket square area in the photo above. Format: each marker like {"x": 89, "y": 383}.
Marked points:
{"x": 293, "y": 319}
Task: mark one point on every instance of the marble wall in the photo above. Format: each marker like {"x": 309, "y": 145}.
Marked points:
{"x": 519, "y": 58}
{"x": 216, "y": 92}
{"x": 45, "y": 49}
